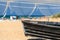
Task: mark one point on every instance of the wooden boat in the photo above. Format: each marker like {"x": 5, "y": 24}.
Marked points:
{"x": 49, "y": 30}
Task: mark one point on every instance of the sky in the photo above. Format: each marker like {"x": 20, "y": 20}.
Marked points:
{"x": 36, "y": 1}
{"x": 18, "y": 7}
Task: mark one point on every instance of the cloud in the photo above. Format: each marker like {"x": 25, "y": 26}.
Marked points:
{"x": 6, "y": 0}
{"x": 37, "y": 1}
{"x": 41, "y": 1}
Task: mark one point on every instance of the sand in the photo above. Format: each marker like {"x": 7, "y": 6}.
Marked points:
{"x": 14, "y": 30}
{"x": 11, "y": 30}
{"x": 43, "y": 19}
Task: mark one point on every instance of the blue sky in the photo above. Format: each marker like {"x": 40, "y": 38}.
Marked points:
{"x": 22, "y": 8}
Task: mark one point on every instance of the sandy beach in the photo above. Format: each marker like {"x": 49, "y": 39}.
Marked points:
{"x": 43, "y": 19}
{"x": 11, "y": 30}
{"x": 14, "y": 30}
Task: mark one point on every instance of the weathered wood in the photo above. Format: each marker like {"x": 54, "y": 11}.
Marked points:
{"x": 42, "y": 30}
